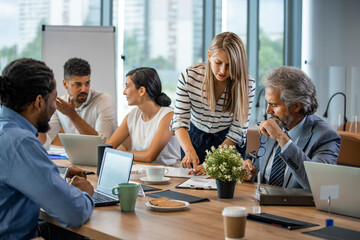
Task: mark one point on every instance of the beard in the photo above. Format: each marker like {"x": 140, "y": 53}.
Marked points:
{"x": 43, "y": 127}
{"x": 43, "y": 123}
{"x": 78, "y": 100}
{"x": 285, "y": 121}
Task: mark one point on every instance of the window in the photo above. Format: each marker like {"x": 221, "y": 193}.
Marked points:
{"x": 22, "y": 20}
{"x": 271, "y": 36}
{"x": 166, "y": 35}
{"x": 231, "y": 16}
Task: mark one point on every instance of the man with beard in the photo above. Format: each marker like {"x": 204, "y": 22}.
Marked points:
{"x": 293, "y": 134}
{"x": 81, "y": 110}
{"x": 29, "y": 180}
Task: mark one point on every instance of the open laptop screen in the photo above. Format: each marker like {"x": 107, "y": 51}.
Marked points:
{"x": 115, "y": 169}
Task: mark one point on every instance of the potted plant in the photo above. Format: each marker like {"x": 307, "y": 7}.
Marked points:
{"x": 225, "y": 164}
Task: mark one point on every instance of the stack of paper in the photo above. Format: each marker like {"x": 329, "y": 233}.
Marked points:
{"x": 57, "y": 152}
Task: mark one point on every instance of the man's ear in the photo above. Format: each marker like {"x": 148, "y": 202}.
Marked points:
{"x": 296, "y": 107}
{"x": 38, "y": 103}
{"x": 65, "y": 83}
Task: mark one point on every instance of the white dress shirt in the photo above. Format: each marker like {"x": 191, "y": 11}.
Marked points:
{"x": 99, "y": 111}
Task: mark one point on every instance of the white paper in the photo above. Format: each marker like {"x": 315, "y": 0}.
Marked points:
{"x": 139, "y": 168}
{"x": 57, "y": 150}
{"x": 327, "y": 191}
{"x": 199, "y": 182}
{"x": 178, "y": 172}
{"x": 173, "y": 171}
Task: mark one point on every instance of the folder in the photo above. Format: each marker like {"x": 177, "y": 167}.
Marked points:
{"x": 278, "y": 221}
{"x": 198, "y": 183}
{"x": 147, "y": 188}
{"x": 178, "y": 196}
{"x": 334, "y": 233}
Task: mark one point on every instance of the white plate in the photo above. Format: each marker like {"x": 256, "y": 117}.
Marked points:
{"x": 168, "y": 209}
{"x": 154, "y": 182}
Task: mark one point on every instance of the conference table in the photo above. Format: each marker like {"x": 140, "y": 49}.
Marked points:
{"x": 200, "y": 221}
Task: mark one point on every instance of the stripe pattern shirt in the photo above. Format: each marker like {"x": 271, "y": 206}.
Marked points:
{"x": 190, "y": 107}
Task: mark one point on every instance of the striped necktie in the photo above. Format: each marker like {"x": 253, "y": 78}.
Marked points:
{"x": 277, "y": 170}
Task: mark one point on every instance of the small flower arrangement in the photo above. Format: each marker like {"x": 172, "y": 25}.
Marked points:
{"x": 225, "y": 164}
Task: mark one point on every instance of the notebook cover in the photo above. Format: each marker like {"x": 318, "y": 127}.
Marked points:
{"x": 286, "y": 196}
{"x": 334, "y": 233}
{"x": 148, "y": 188}
{"x": 278, "y": 221}
{"x": 178, "y": 196}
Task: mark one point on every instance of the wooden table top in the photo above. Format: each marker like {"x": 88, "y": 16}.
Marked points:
{"x": 200, "y": 221}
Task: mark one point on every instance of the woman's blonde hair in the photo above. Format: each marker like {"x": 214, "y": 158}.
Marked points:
{"x": 237, "y": 97}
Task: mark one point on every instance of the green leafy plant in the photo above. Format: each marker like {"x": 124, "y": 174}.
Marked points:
{"x": 225, "y": 164}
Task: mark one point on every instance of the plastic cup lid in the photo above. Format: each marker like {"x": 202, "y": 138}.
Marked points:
{"x": 235, "y": 211}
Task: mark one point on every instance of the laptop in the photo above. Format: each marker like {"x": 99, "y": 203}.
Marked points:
{"x": 341, "y": 183}
{"x": 81, "y": 149}
{"x": 115, "y": 169}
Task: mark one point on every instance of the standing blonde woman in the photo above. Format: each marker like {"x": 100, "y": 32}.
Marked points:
{"x": 213, "y": 101}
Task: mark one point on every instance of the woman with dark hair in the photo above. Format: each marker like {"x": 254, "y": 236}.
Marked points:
{"x": 147, "y": 125}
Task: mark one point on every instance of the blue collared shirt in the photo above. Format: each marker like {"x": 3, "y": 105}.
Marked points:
{"x": 29, "y": 180}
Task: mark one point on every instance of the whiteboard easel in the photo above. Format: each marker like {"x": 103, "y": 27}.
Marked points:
{"x": 93, "y": 43}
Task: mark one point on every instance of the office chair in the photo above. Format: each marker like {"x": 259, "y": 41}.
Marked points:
{"x": 348, "y": 125}
{"x": 350, "y": 149}
{"x": 253, "y": 140}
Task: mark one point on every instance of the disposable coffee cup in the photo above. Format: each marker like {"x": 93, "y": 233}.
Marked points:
{"x": 101, "y": 150}
{"x": 234, "y": 222}
{"x": 156, "y": 173}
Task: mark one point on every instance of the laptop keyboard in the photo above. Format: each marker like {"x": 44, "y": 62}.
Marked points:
{"x": 98, "y": 198}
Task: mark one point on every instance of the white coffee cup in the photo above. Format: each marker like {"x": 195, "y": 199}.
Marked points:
{"x": 156, "y": 173}
{"x": 234, "y": 222}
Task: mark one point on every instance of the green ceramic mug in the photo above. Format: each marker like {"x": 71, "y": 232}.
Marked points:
{"x": 127, "y": 193}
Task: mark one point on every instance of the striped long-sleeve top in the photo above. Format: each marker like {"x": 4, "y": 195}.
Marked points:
{"x": 190, "y": 107}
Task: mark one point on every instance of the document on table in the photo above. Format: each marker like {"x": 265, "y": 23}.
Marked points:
{"x": 173, "y": 171}
{"x": 57, "y": 152}
{"x": 199, "y": 182}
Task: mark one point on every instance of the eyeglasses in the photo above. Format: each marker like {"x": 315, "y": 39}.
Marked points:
{"x": 261, "y": 150}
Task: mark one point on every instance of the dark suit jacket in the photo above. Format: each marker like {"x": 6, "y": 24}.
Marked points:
{"x": 317, "y": 143}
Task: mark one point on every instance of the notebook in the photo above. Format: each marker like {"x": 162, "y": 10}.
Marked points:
{"x": 340, "y": 183}
{"x": 115, "y": 169}
{"x": 81, "y": 149}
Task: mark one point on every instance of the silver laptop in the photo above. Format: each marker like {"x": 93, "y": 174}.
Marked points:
{"x": 81, "y": 149}
{"x": 341, "y": 183}
{"x": 115, "y": 168}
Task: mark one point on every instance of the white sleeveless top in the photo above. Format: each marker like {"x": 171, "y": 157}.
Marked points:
{"x": 142, "y": 134}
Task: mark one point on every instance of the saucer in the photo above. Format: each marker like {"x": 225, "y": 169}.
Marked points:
{"x": 164, "y": 180}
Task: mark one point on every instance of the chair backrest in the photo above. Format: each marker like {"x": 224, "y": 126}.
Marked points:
{"x": 349, "y": 149}
{"x": 253, "y": 140}
{"x": 350, "y": 127}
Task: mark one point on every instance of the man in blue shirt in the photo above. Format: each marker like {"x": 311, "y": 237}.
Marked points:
{"x": 29, "y": 180}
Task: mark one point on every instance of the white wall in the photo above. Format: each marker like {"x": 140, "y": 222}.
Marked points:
{"x": 331, "y": 39}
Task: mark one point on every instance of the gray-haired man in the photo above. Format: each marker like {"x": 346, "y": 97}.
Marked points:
{"x": 293, "y": 134}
